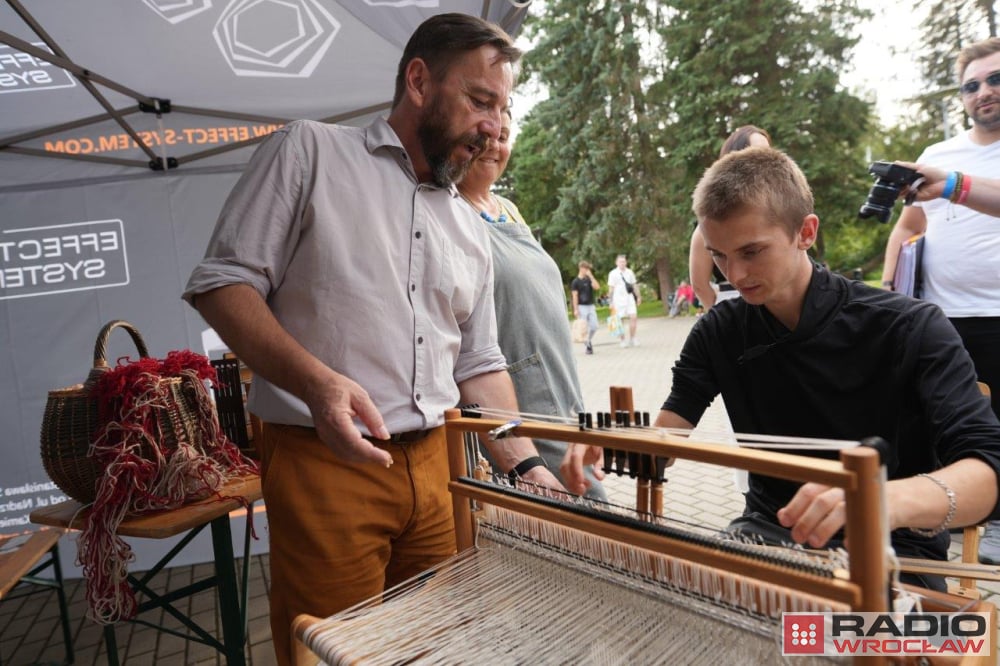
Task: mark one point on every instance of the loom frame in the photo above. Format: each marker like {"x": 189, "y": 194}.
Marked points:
{"x": 858, "y": 473}
{"x": 865, "y": 588}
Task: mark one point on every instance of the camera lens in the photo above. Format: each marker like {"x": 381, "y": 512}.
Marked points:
{"x": 880, "y": 201}
{"x": 880, "y": 212}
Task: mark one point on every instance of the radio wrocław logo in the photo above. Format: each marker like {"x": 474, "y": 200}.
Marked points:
{"x": 892, "y": 634}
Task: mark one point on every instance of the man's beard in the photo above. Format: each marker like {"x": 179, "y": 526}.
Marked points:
{"x": 438, "y": 147}
{"x": 987, "y": 121}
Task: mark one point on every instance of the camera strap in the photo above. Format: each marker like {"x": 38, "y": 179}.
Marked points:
{"x": 912, "y": 195}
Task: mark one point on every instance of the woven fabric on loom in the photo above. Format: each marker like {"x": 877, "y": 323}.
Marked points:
{"x": 588, "y": 601}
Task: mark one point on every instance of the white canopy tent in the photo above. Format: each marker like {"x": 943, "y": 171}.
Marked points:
{"x": 96, "y": 98}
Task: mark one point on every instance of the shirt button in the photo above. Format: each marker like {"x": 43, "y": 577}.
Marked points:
{"x": 417, "y": 234}
{"x": 413, "y": 287}
{"x": 418, "y": 396}
{"x": 420, "y": 340}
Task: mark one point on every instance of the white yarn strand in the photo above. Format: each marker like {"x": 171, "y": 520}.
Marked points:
{"x": 746, "y": 440}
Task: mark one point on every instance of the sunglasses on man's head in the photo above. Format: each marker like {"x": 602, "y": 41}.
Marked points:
{"x": 972, "y": 87}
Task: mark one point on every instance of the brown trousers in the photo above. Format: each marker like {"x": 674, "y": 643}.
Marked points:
{"x": 343, "y": 532}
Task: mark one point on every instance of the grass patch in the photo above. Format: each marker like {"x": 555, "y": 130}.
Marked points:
{"x": 646, "y": 309}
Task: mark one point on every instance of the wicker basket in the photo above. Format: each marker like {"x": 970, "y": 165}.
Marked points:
{"x": 70, "y": 422}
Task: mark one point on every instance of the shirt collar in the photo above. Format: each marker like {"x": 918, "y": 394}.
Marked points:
{"x": 379, "y": 134}
{"x": 822, "y": 301}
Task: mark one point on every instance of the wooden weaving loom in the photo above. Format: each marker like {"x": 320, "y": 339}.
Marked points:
{"x": 544, "y": 578}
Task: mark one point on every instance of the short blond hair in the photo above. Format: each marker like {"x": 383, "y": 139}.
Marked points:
{"x": 761, "y": 179}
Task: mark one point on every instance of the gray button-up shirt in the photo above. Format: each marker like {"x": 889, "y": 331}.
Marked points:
{"x": 386, "y": 280}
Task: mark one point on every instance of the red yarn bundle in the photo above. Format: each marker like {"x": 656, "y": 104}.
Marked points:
{"x": 156, "y": 454}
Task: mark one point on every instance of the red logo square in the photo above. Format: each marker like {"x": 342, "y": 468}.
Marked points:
{"x": 802, "y": 633}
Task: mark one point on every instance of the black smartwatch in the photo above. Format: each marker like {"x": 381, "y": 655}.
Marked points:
{"x": 521, "y": 468}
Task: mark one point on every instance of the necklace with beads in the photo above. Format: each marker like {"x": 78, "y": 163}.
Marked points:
{"x": 486, "y": 216}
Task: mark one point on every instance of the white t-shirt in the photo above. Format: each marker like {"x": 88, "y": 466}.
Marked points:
{"x": 620, "y": 298}
{"x": 961, "y": 261}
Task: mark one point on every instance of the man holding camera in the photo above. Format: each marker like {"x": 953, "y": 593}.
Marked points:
{"x": 961, "y": 260}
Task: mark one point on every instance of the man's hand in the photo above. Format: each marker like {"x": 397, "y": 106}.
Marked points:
{"x": 577, "y": 457}
{"x": 814, "y": 514}
{"x": 931, "y": 187}
{"x": 334, "y": 407}
{"x": 543, "y": 476}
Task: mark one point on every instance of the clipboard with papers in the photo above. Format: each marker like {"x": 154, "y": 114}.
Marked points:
{"x": 908, "y": 278}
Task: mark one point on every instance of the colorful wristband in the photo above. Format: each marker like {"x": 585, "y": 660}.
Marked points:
{"x": 958, "y": 187}
{"x": 949, "y": 185}
{"x": 964, "y": 194}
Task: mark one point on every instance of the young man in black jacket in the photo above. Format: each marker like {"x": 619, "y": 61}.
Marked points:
{"x": 812, "y": 354}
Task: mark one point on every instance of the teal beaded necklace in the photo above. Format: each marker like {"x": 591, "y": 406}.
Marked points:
{"x": 486, "y": 216}
{"x": 489, "y": 218}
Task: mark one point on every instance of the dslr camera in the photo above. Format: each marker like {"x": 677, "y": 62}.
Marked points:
{"x": 890, "y": 181}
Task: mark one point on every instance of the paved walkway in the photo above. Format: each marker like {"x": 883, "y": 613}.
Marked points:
{"x": 29, "y": 630}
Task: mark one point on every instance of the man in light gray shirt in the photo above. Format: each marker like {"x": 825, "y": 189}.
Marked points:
{"x": 345, "y": 272}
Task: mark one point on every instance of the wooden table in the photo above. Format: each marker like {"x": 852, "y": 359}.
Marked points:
{"x": 22, "y": 558}
{"x": 191, "y": 518}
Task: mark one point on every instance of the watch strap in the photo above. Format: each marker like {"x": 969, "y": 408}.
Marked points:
{"x": 521, "y": 468}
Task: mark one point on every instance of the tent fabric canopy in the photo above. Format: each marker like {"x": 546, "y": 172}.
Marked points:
{"x": 89, "y": 232}
{"x": 125, "y": 86}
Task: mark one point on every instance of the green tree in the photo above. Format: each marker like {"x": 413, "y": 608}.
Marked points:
{"x": 775, "y": 64}
{"x": 641, "y": 96}
{"x": 587, "y": 165}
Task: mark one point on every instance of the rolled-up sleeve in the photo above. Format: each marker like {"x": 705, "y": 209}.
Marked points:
{"x": 258, "y": 228}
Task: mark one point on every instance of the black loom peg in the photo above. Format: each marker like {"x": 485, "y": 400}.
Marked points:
{"x": 583, "y": 420}
{"x": 471, "y": 411}
{"x": 645, "y": 419}
{"x": 589, "y": 421}
{"x": 633, "y": 464}
{"x": 661, "y": 469}
{"x": 620, "y": 461}
{"x": 646, "y": 467}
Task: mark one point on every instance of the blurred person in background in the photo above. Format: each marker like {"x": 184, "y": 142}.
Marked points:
{"x": 701, "y": 268}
